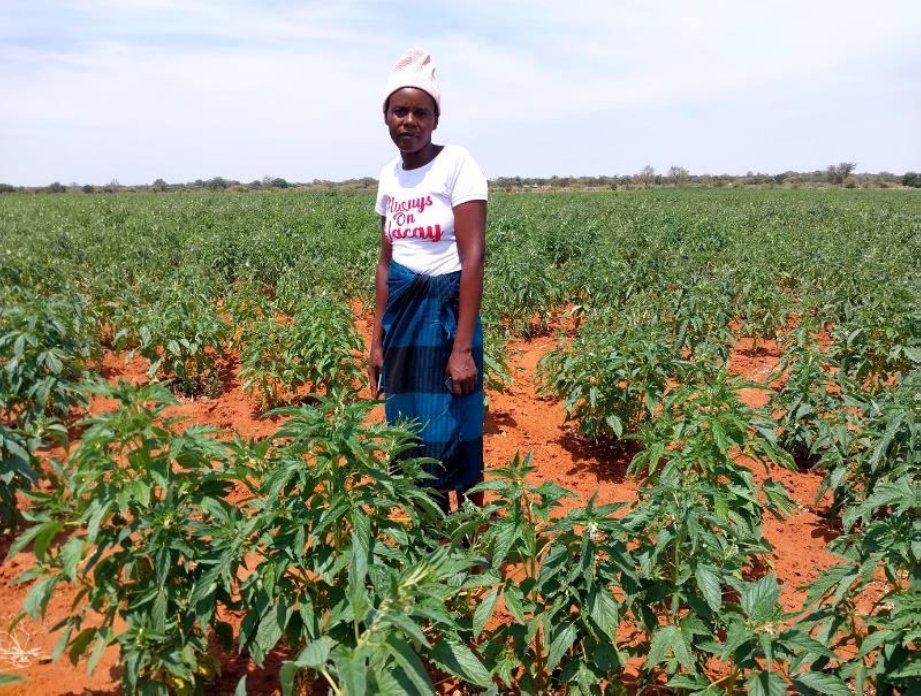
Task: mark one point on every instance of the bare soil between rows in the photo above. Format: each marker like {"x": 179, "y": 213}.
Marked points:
{"x": 519, "y": 420}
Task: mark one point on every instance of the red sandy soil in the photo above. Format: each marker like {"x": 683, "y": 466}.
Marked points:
{"x": 519, "y": 420}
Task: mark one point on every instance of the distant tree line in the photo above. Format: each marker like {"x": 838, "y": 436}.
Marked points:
{"x": 842, "y": 174}
{"x": 217, "y": 183}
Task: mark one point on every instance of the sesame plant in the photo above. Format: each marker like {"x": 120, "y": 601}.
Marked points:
{"x": 46, "y": 347}
{"x": 867, "y": 607}
{"x": 612, "y": 375}
{"x": 701, "y": 316}
{"x": 764, "y": 650}
{"x": 495, "y": 360}
{"x": 882, "y": 443}
{"x": 812, "y": 401}
{"x": 358, "y": 594}
{"x": 562, "y": 604}
{"x": 138, "y": 516}
{"x": 698, "y": 521}
{"x": 764, "y": 309}
{"x": 185, "y": 337}
{"x": 18, "y": 471}
{"x": 316, "y": 346}
{"x": 879, "y": 340}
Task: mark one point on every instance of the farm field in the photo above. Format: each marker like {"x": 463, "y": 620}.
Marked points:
{"x": 720, "y": 392}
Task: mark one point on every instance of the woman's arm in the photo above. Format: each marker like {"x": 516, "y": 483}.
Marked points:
{"x": 470, "y": 232}
{"x": 376, "y": 357}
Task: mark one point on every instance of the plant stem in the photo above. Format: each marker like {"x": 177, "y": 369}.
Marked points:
{"x": 329, "y": 680}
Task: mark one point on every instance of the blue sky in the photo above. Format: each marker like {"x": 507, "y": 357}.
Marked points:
{"x": 95, "y": 90}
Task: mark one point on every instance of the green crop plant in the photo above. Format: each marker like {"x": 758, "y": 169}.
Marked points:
{"x": 564, "y": 601}
{"x": 881, "y": 443}
{"x": 522, "y": 296}
{"x": 879, "y": 340}
{"x": 701, "y": 318}
{"x": 399, "y": 619}
{"x": 46, "y": 346}
{"x": 763, "y": 651}
{"x": 138, "y": 518}
{"x": 18, "y": 471}
{"x": 763, "y": 308}
{"x": 185, "y": 337}
{"x": 357, "y": 592}
{"x": 318, "y": 346}
{"x": 868, "y": 609}
{"x": 612, "y": 375}
{"x": 811, "y": 400}
{"x": 698, "y": 522}
{"x": 495, "y": 360}
{"x": 651, "y": 289}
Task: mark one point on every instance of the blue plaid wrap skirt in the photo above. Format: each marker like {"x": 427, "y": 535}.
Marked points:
{"x": 419, "y": 326}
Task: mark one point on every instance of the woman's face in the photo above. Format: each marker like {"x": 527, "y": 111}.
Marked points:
{"x": 411, "y": 118}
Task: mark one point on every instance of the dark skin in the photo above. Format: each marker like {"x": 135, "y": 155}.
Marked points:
{"x": 411, "y": 116}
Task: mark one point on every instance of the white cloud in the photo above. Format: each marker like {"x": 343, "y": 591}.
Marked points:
{"x": 138, "y": 89}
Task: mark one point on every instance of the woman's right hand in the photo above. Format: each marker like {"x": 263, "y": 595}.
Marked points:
{"x": 375, "y": 366}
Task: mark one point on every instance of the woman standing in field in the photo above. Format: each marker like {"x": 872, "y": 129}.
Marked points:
{"x": 427, "y": 341}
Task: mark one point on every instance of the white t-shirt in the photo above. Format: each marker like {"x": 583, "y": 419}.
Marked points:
{"x": 418, "y": 205}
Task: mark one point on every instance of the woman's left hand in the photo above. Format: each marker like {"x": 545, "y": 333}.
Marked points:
{"x": 462, "y": 372}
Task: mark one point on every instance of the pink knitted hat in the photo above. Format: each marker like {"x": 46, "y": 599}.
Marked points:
{"x": 414, "y": 69}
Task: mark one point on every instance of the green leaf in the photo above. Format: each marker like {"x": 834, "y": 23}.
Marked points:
{"x": 682, "y": 650}
{"x": 505, "y": 535}
{"x": 353, "y": 673}
{"x": 615, "y": 424}
{"x": 43, "y": 539}
{"x": 662, "y": 639}
{"x": 604, "y": 611}
{"x": 484, "y": 611}
{"x": 828, "y": 579}
{"x": 709, "y": 583}
{"x": 269, "y": 631}
{"x": 62, "y": 643}
{"x": 6, "y": 679}
{"x": 39, "y": 595}
{"x": 719, "y": 436}
{"x": 766, "y": 684}
{"x": 410, "y": 628}
{"x": 804, "y": 643}
{"x": 513, "y": 598}
{"x": 410, "y": 663}
{"x": 98, "y": 649}
{"x": 71, "y": 554}
{"x": 759, "y": 598}
{"x": 23, "y": 540}
{"x": 286, "y": 678}
{"x": 96, "y": 519}
{"x": 358, "y": 573}
{"x": 241, "y": 687}
{"x": 459, "y": 660}
{"x": 316, "y": 654}
{"x": 562, "y": 641}
{"x": 912, "y": 670}
{"x": 693, "y": 684}
{"x": 80, "y": 644}
{"x": 823, "y": 682}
